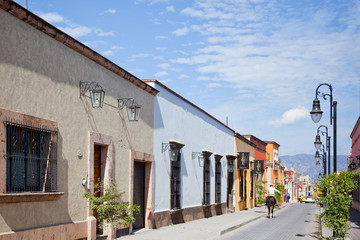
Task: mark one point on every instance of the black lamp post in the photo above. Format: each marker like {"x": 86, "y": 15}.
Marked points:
{"x": 318, "y": 144}
{"x": 316, "y": 112}
{"x": 318, "y": 157}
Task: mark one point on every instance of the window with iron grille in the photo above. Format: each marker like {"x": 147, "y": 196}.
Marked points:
{"x": 206, "y": 187}
{"x": 217, "y": 181}
{"x": 176, "y": 182}
{"x": 31, "y": 164}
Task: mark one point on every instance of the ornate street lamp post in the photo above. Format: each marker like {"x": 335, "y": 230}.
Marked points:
{"x": 318, "y": 144}
{"x": 322, "y": 156}
{"x": 316, "y": 113}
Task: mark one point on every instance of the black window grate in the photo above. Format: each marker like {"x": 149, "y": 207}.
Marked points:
{"x": 31, "y": 164}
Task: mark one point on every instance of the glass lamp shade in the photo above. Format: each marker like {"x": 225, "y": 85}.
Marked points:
{"x": 358, "y": 160}
{"x": 173, "y": 152}
{"x": 316, "y": 112}
{"x": 133, "y": 113}
{"x": 317, "y": 142}
{"x": 97, "y": 98}
{"x": 317, "y": 156}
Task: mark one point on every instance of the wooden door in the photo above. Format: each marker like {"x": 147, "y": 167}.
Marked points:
{"x": 97, "y": 176}
{"x": 139, "y": 194}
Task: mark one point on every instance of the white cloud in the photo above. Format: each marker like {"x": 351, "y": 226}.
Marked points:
{"x": 141, "y": 55}
{"x": 107, "y": 53}
{"x": 170, "y": 9}
{"x": 213, "y": 85}
{"x": 161, "y": 37}
{"x": 100, "y": 33}
{"x": 161, "y": 74}
{"x": 111, "y": 11}
{"x": 76, "y": 31}
{"x": 164, "y": 65}
{"x": 182, "y": 76}
{"x": 52, "y": 17}
{"x": 180, "y": 31}
{"x": 291, "y": 116}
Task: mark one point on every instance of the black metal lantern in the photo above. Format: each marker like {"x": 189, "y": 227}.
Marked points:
{"x": 132, "y": 108}
{"x": 316, "y": 112}
{"x": 317, "y": 142}
{"x": 317, "y": 156}
{"x": 173, "y": 152}
{"x": 318, "y": 163}
{"x": 97, "y": 97}
{"x": 97, "y": 93}
{"x": 358, "y": 160}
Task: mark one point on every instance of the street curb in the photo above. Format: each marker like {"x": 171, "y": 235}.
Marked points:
{"x": 239, "y": 225}
{"x": 222, "y": 232}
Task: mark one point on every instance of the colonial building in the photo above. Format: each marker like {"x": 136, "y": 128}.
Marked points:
{"x": 192, "y": 150}
{"x": 355, "y": 157}
{"x": 60, "y": 134}
{"x": 244, "y": 175}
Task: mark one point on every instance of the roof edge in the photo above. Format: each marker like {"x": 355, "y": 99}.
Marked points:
{"x": 185, "y": 100}
{"x": 35, "y": 21}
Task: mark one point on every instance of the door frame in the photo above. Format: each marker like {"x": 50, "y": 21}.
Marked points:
{"x": 107, "y": 169}
{"x": 148, "y": 159}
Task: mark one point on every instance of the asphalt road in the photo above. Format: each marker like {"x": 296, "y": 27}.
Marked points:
{"x": 297, "y": 221}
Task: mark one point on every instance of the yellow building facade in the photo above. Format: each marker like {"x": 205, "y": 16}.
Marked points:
{"x": 244, "y": 189}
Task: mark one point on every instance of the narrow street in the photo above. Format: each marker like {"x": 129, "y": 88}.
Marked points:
{"x": 297, "y": 221}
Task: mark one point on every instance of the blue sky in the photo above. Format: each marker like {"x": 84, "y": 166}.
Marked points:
{"x": 257, "y": 62}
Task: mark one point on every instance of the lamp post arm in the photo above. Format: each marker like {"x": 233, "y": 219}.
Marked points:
{"x": 324, "y": 96}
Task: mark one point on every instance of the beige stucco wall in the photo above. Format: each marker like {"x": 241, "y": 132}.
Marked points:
{"x": 40, "y": 77}
{"x": 241, "y": 146}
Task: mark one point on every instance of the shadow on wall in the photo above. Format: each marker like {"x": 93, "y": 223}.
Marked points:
{"x": 27, "y": 215}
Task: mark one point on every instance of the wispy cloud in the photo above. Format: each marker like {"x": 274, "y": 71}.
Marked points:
{"x": 101, "y": 33}
{"x": 52, "y": 17}
{"x": 161, "y": 74}
{"x": 291, "y": 116}
{"x": 181, "y": 31}
{"x": 108, "y": 11}
{"x": 170, "y": 9}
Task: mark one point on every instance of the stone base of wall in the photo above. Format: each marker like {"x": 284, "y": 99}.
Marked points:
{"x": 166, "y": 218}
{"x": 76, "y": 230}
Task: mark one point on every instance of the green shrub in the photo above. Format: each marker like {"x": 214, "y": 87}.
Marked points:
{"x": 335, "y": 198}
{"x": 109, "y": 207}
{"x": 260, "y": 192}
{"x": 281, "y": 189}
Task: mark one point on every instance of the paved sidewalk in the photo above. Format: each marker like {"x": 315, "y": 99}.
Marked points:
{"x": 353, "y": 233}
{"x": 206, "y": 228}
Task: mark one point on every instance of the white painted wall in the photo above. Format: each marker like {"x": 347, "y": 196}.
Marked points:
{"x": 176, "y": 119}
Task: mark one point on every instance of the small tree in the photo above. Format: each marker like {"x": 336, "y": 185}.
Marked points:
{"x": 109, "y": 207}
{"x": 281, "y": 189}
{"x": 260, "y": 192}
{"x": 335, "y": 198}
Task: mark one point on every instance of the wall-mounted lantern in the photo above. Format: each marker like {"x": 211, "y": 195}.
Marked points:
{"x": 199, "y": 156}
{"x": 173, "y": 147}
{"x": 132, "y": 108}
{"x": 97, "y": 93}
{"x": 358, "y": 160}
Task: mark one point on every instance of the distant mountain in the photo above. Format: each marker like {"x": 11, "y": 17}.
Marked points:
{"x": 306, "y": 164}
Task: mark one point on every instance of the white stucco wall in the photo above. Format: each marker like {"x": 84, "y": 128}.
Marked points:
{"x": 176, "y": 119}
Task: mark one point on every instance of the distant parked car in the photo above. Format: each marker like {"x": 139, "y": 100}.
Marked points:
{"x": 309, "y": 199}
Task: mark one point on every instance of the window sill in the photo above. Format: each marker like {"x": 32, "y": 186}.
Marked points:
{"x": 30, "y": 197}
